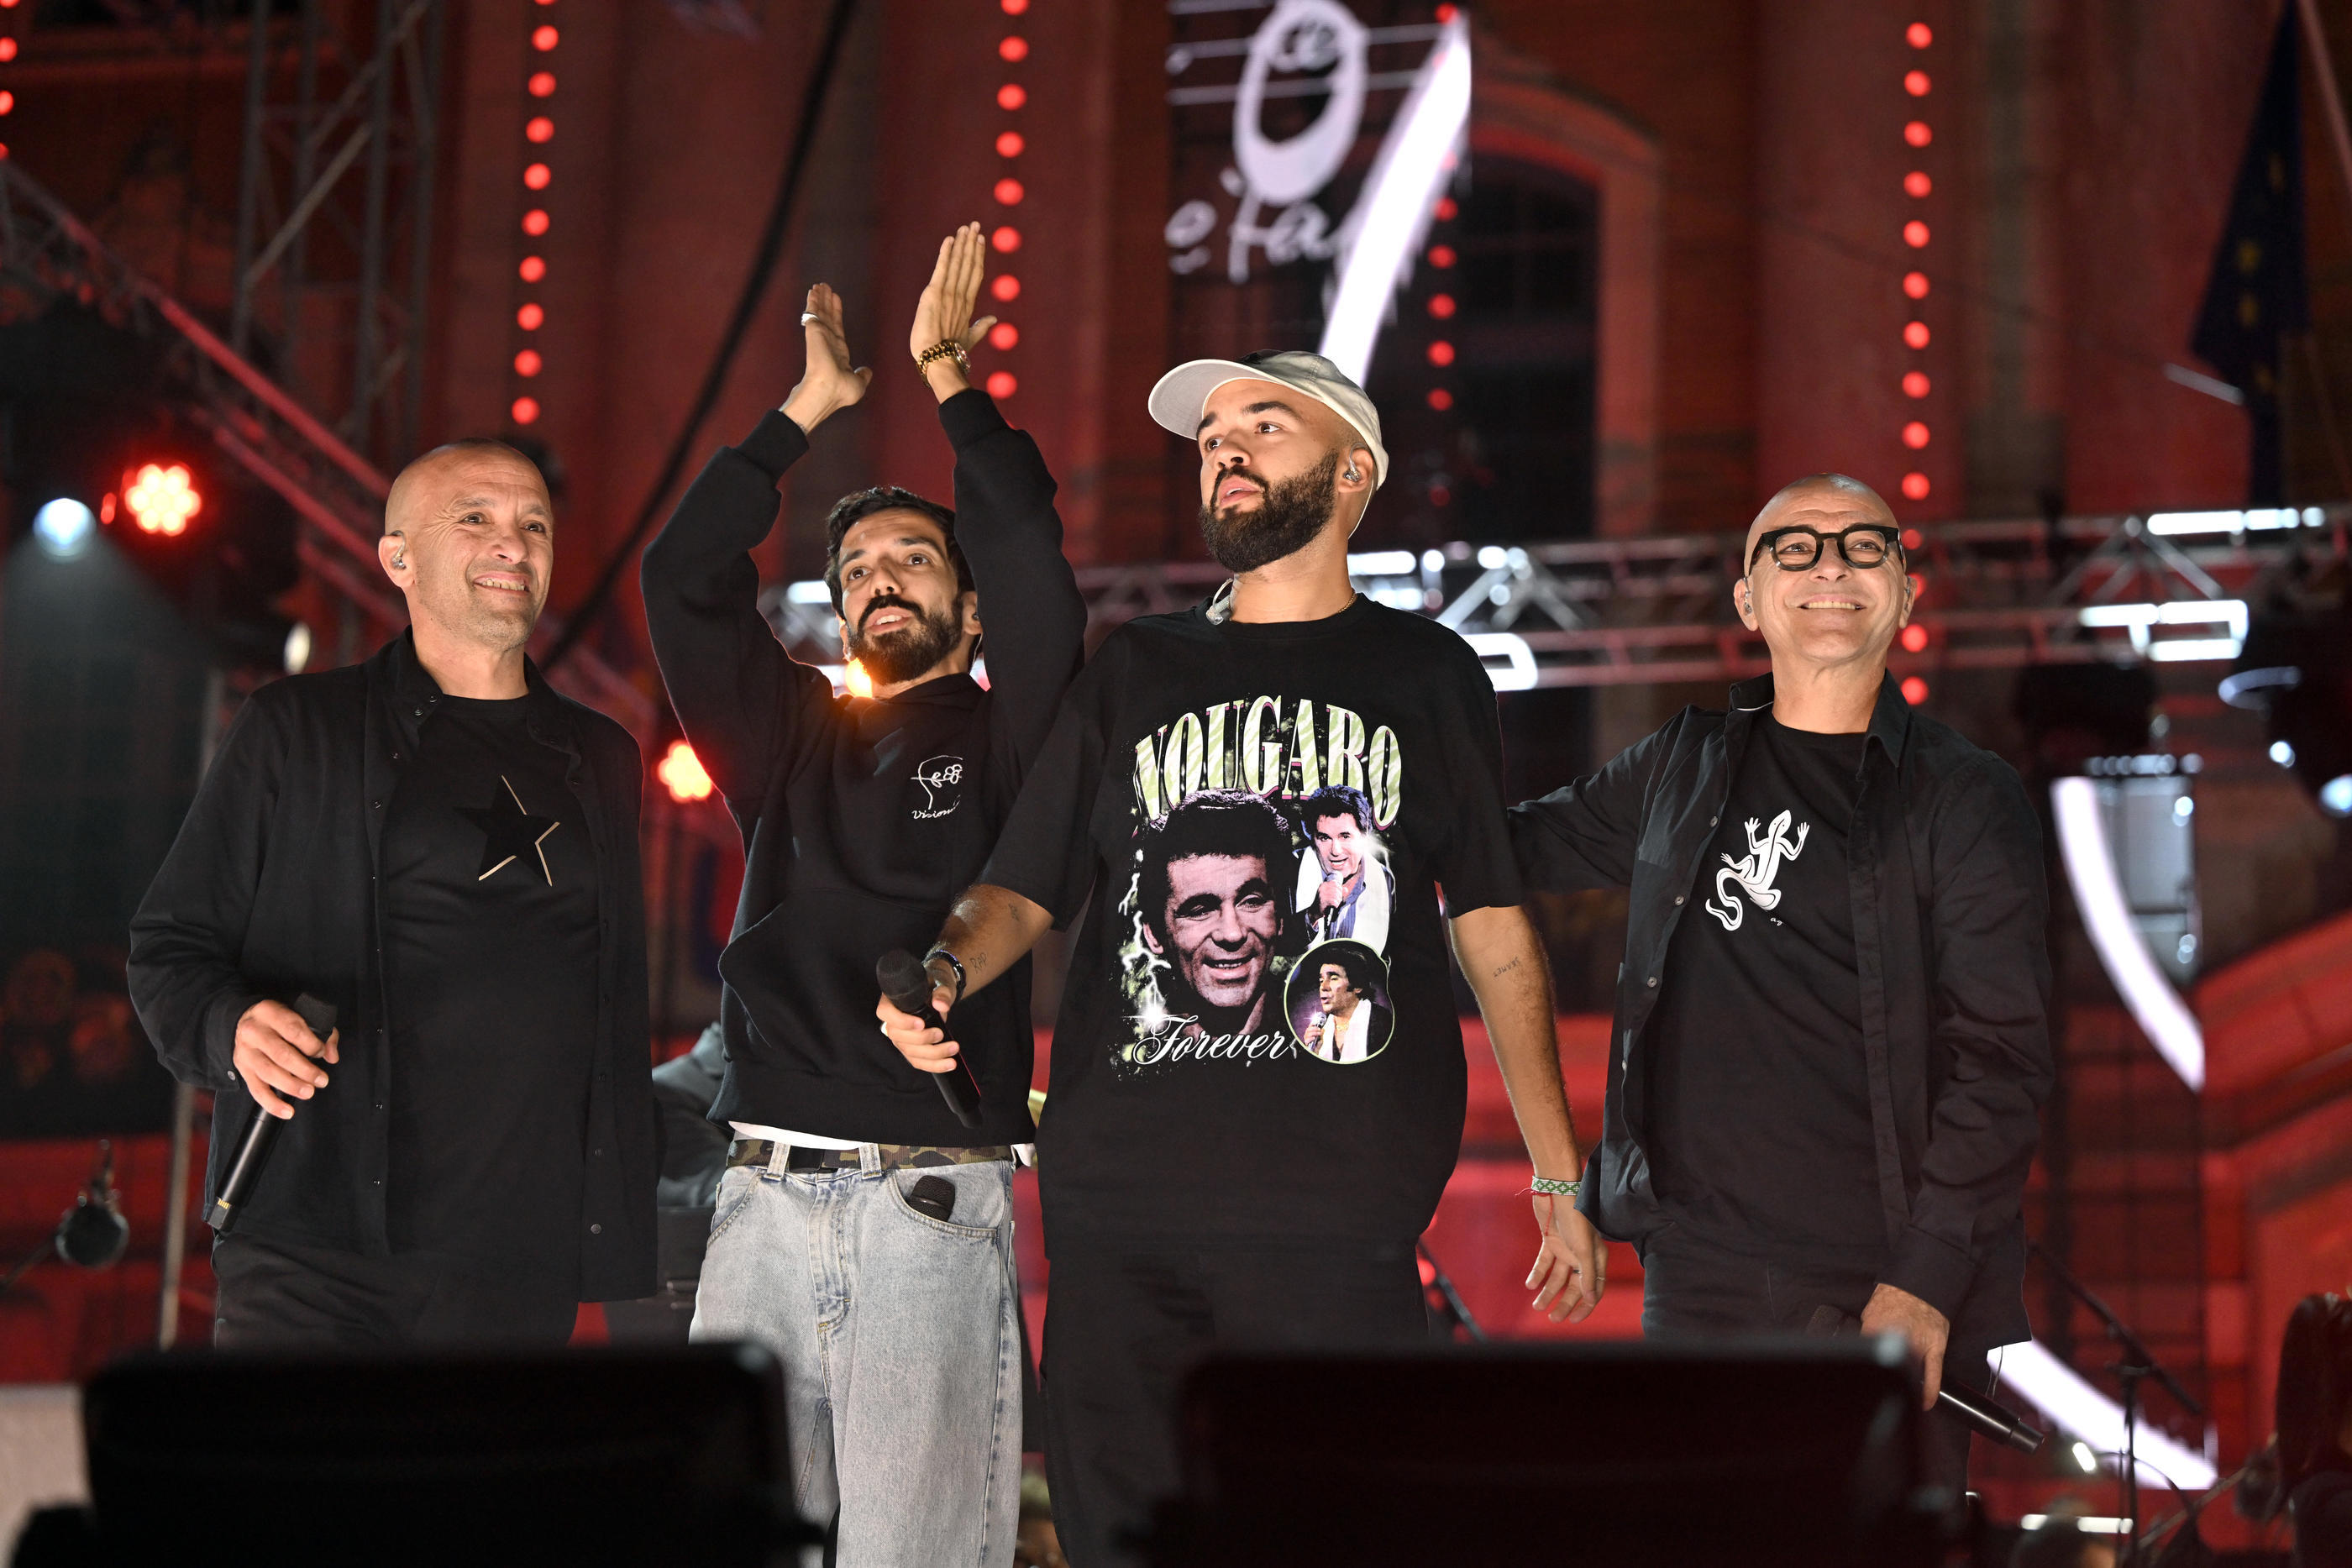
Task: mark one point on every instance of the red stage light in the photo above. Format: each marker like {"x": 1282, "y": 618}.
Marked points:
{"x": 1446, "y": 209}
{"x": 1914, "y": 334}
{"x": 1441, "y": 352}
{"x": 1914, "y": 487}
{"x": 1917, "y": 134}
{"x": 543, "y": 37}
{"x": 161, "y": 498}
{"x": 1008, "y": 193}
{"x": 1916, "y": 83}
{"x": 541, "y": 84}
{"x": 532, "y": 269}
{"x": 525, "y": 411}
{"x": 1440, "y": 399}
{"x": 8, "y": 102}
{"x": 1003, "y": 335}
{"x": 1915, "y": 690}
{"x": 1915, "y": 435}
{"x": 1011, "y": 95}
{"x": 4, "y": 151}
{"x": 1013, "y": 47}
{"x": 1918, "y": 34}
{"x": 1441, "y": 256}
{"x": 1916, "y": 184}
{"x": 1004, "y": 287}
{"x": 106, "y": 507}
{"x": 1915, "y": 383}
{"x": 1442, "y": 307}
{"x": 1000, "y": 385}
{"x": 1439, "y": 496}
{"x": 534, "y": 222}
{"x": 1915, "y": 285}
{"x": 529, "y": 363}
{"x": 1446, "y": 13}
{"x": 1915, "y": 639}
{"x": 529, "y": 316}
{"x": 1013, "y": 7}
{"x": 538, "y": 177}
{"x": 1009, "y": 144}
{"x": 1912, "y": 539}
{"x": 538, "y": 128}
{"x": 1915, "y": 234}
{"x": 682, "y": 772}
{"x": 7, "y": 48}
{"x": 1006, "y": 238}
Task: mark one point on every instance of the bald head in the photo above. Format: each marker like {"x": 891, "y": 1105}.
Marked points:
{"x": 469, "y": 541}
{"x": 418, "y": 477}
{"x": 1813, "y": 501}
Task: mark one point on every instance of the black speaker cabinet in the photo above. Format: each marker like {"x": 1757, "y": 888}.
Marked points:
{"x": 1622, "y": 1453}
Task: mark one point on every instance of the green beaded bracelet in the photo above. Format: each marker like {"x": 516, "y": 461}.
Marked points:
{"x": 1563, "y": 1188}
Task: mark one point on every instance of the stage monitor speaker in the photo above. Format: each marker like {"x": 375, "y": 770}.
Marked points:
{"x": 1752, "y": 1453}
{"x": 622, "y": 1455}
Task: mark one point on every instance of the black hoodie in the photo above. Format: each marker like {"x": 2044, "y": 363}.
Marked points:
{"x": 862, "y": 819}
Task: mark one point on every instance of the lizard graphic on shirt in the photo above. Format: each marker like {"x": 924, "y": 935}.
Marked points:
{"x": 1753, "y": 872}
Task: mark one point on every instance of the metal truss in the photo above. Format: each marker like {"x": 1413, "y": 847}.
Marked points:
{"x": 334, "y": 213}
{"x": 2002, "y": 594}
{"x": 47, "y": 254}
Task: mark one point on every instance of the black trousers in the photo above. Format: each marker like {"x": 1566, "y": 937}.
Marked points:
{"x": 1694, "y": 1291}
{"x": 1122, "y": 1330}
{"x": 276, "y": 1296}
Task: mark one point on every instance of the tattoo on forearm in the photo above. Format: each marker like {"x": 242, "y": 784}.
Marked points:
{"x": 1505, "y": 968}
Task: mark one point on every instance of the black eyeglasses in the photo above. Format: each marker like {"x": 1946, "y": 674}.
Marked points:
{"x": 1863, "y": 546}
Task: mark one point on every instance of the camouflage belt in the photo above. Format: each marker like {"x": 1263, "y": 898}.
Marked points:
{"x": 895, "y": 1156}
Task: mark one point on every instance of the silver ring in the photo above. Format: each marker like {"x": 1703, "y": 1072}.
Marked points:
{"x": 807, "y": 317}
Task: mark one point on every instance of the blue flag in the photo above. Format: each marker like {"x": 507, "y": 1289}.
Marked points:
{"x": 2259, "y": 291}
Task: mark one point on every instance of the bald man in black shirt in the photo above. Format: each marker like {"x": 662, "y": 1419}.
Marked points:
{"x": 443, "y": 849}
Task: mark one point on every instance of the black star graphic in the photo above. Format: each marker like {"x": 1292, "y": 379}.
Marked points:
{"x": 510, "y": 832}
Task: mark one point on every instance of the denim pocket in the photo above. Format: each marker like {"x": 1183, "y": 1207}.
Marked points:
{"x": 983, "y": 1189}
{"x": 745, "y": 1180}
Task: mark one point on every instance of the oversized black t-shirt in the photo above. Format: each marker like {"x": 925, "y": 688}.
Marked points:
{"x": 1759, "y": 1134}
{"x": 1258, "y": 1040}
{"x": 490, "y": 946}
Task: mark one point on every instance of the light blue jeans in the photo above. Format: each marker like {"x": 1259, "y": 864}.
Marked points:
{"x": 898, "y": 1342}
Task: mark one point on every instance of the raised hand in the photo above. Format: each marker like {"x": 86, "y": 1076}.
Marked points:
{"x": 828, "y": 383}
{"x": 944, "y": 312}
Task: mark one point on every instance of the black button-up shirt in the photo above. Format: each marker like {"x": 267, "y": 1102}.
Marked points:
{"x": 1950, "y": 900}
{"x": 271, "y": 890}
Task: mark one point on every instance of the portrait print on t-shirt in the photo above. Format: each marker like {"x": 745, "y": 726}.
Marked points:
{"x": 1258, "y": 826}
{"x": 1339, "y": 1002}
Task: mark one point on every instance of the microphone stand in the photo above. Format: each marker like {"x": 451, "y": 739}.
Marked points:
{"x": 2138, "y": 1364}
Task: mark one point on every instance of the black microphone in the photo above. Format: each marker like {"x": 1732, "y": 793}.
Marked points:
{"x": 1989, "y": 1416}
{"x": 907, "y": 986}
{"x": 93, "y": 1233}
{"x": 261, "y": 1133}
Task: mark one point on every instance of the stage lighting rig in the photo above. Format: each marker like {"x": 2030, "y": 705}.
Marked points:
{"x": 2296, "y": 671}
{"x": 161, "y": 498}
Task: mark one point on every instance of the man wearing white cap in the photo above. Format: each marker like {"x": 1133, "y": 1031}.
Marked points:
{"x": 1208, "y": 1178}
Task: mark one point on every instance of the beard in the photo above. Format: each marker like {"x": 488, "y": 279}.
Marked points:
{"x": 908, "y": 652}
{"x": 1288, "y": 520}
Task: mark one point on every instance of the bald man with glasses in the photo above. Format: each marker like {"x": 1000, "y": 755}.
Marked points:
{"x": 1833, "y": 1017}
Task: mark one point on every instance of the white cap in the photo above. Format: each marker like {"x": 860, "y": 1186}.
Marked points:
{"x": 1184, "y": 393}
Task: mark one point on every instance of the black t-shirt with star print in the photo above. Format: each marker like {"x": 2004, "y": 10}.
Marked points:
{"x": 491, "y": 949}
{"x": 1759, "y": 1135}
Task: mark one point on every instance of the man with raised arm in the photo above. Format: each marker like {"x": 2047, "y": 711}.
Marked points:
{"x": 1209, "y": 1177}
{"x": 861, "y": 1230}
{"x": 1831, "y": 1024}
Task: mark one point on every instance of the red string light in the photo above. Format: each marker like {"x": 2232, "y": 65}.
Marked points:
{"x": 1010, "y": 145}
{"x": 1013, "y": 48}
{"x": 538, "y": 130}
{"x": 1005, "y": 289}
{"x": 1009, "y": 192}
{"x": 1916, "y": 184}
{"x": 1441, "y": 352}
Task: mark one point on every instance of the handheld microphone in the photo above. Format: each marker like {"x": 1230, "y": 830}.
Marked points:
{"x": 93, "y": 1233}
{"x": 261, "y": 1134}
{"x": 907, "y": 986}
{"x": 1989, "y": 1416}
